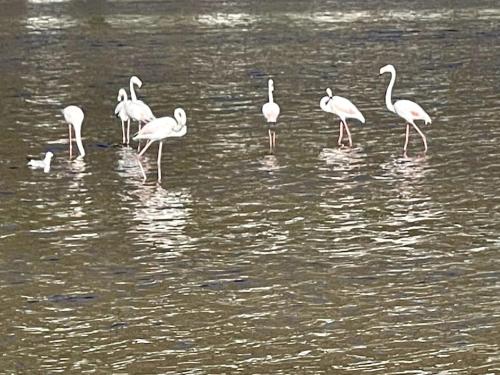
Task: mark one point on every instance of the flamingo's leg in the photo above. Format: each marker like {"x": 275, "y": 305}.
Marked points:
{"x": 407, "y": 137}
{"x": 128, "y": 131}
{"x": 422, "y": 135}
{"x": 150, "y": 142}
{"x": 270, "y": 141}
{"x": 70, "y": 142}
{"x": 341, "y": 131}
{"x": 159, "y": 160}
{"x": 348, "y": 134}
{"x": 123, "y": 132}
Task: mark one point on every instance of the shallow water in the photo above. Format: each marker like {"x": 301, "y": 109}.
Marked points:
{"x": 312, "y": 260}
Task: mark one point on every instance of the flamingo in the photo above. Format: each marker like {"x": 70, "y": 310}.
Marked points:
{"x": 344, "y": 109}
{"x": 44, "y": 163}
{"x": 137, "y": 110}
{"x": 271, "y": 111}
{"x": 121, "y": 112}
{"x": 73, "y": 116}
{"x": 161, "y": 128}
{"x": 406, "y": 109}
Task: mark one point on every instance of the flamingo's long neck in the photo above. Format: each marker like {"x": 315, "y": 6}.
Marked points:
{"x": 388, "y": 93}
{"x": 132, "y": 92}
{"x": 271, "y": 100}
{"x": 78, "y": 138}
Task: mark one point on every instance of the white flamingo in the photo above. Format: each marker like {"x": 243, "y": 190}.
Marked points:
{"x": 137, "y": 110}
{"x": 161, "y": 128}
{"x": 271, "y": 111}
{"x": 406, "y": 109}
{"x": 344, "y": 109}
{"x": 121, "y": 112}
{"x": 43, "y": 164}
{"x": 74, "y": 116}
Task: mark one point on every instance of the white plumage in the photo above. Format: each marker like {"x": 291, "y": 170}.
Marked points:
{"x": 344, "y": 109}
{"x": 271, "y": 111}
{"x": 161, "y": 128}
{"x": 42, "y": 164}
{"x": 121, "y": 113}
{"x": 406, "y": 109}
{"x": 74, "y": 116}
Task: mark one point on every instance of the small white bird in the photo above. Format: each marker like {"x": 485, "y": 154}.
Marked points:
{"x": 136, "y": 109}
{"x": 271, "y": 111}
{"x": 42, "y": 164}
{"x": 161, "y": 128}
{"x": 406, "y": 109}
{"x": 344, "y": 109}
{"x": 74, "y": 116}
{"x": 121, "y": 112}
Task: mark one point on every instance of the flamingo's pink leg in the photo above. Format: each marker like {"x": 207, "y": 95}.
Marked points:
{"x": 149, "y": 143}
{"x": 70, "y": 142}
{"x": 159, "y": 160}
{"x": 341, "y": 130}
{"x": 407, "y": 137}
{"x": 348, "y": 134}
{"x": 422, "y": 135}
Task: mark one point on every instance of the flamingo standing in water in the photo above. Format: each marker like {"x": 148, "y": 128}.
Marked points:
{"x": 121, "y": 112}
{"x": 74, "y": 116}
{"x": 161, "y": 128}
{"x": 344, "y": 109}
{"x": 271, "y": 111}
{"x": 137, "y": 110}
{"x": 406, "y": 109}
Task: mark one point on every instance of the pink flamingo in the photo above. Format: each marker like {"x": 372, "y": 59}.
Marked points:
{"x": 406, "y": 109}
{"x": 344, "y": 109}
{"x": 161, "y": 128}
{"x": 73, "y": 116}
{"x": 271, "y": 111}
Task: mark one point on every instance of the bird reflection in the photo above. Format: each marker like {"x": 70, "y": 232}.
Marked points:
{"x": 128, "y": 165}
{"x": 270, "y": 163}
{"x": 161, "y": 216}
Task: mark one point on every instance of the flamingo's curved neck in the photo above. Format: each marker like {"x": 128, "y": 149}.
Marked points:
{"x": 132, "y": 92}
{"x": 388, "y": 93}
{"x": 78, "y": 138}
{"x": 271, "y": 100}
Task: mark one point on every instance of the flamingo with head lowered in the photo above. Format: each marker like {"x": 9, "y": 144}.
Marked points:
{"x": 344, "y": 109}
{"x": 161, "y": 128}
{"x": 406, "y": 109}
{"x": 271, "y": 111}
{"x": 73, "y": 116}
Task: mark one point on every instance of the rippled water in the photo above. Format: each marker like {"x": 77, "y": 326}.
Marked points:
{"x": 312, "y": 260}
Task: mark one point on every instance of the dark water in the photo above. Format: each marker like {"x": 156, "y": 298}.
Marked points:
{"x": 311, "y": 261}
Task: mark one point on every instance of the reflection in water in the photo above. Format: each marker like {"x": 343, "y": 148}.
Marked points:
{"x": 346, "y": 262}
{"x": 161, "y": 217}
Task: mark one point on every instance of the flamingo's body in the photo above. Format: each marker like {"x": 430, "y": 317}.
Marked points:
{"x": 271, "y": 111}
{"x": 136, "y": 109}
{"x": 121, "y": 112}
{"x": 161, "y": 128}
{"x": 74, "y": 116}
{"x": 406, "y": 109}
{"x": 344, "y": 109}
{"x": 43, "y": 164}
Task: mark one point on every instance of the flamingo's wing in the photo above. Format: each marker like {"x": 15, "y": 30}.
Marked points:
{"x": 271, "y": 111}
{"x": 119, "y": 107}
{"x": 411, "y": 111}
{"x": 344, "y": 108}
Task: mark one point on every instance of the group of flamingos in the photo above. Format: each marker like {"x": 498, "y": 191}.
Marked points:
{"x": 154, "y": 129}
{"x": 344, "y": 109}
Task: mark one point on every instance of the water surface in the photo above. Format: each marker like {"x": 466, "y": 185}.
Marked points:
{"x": 312, "y": 260}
